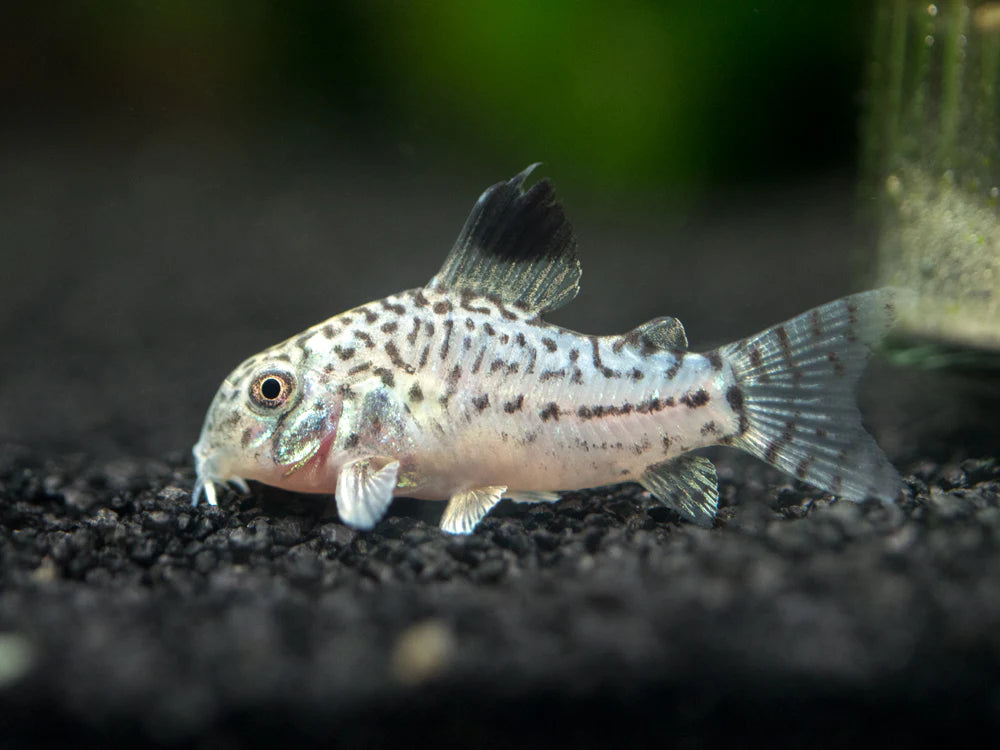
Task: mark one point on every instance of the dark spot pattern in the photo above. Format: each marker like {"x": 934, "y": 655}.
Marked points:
{"x": 415, "y": 393}
{"x": 786, "y": 344}
{"x": 549, "y": 344}
{"x": 446, "y": 344}
{"x": 478, "y": 363}
{"x": 386, "y": 376}
{"x": 816, "y": 321}
{"x": 393, "y": 307}
{"x": 775, "y": 448}
{"x": 672, "y": 371}
{"x": 411, "y": 337}
{"x": 734, "y": 396}
{"x": 481, "y": 402}
{"x": 550, "y": 412}
{"x": 359, "y": 368}
{"x": 715, "y": 360}
{"x": 390, "y": 327}
{"x": 344, "y": 352}
{"x": 695, "y": 399}
{"x": 514, "y": 406}
{"x": 838, "y": 366}
{"x": 442, "y": 308}
{"x": 396, "y": 359}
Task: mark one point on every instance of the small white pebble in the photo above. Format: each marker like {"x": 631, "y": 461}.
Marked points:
{"x": 422, "y": 652}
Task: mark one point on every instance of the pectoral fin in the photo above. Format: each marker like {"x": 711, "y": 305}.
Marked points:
{"x": 466, "y": 509}
{"x": 364, "y": 490}
{"x": 686, "y": 484}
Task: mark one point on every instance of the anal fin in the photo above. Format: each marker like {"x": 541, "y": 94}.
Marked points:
{"x": 687, "y": 484}
{"x": 466, "y": 509}
{"x": 364, "y": 491}
{"x": 532, "y": 496}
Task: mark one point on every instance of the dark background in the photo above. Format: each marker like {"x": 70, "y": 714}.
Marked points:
{"x": 185, "y": 183}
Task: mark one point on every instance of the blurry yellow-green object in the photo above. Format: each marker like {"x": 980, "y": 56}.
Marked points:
{"x": 933, "y": 159}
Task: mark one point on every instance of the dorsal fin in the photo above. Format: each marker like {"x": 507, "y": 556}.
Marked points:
{"x": 658, "y": 334}
{"x": 517, "y": 245}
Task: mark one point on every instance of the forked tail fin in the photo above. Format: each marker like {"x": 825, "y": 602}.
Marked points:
{"x": 796, "y": 395}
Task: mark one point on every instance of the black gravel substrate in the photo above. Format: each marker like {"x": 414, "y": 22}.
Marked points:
{"x": 126, "y": 613}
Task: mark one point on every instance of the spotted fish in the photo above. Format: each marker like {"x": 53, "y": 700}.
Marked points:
{"x": 460, "y": 391}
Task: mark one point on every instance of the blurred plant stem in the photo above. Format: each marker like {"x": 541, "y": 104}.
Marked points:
{"x": 931, "y": 162}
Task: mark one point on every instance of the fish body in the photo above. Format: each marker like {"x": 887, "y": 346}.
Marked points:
{"x": 460, "y": 391}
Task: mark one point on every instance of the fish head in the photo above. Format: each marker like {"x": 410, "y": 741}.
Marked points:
{"x": 269, "y": 419}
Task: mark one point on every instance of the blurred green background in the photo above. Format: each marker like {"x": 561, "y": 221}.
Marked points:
{"x": 654, "y": 100}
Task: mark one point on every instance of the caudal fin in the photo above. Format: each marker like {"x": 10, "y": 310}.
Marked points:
{"x": 796, "y": 395}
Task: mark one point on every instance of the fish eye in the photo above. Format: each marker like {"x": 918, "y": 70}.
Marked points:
{"x": 271, "y": 389}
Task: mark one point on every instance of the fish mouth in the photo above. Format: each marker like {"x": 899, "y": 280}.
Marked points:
{"x": 206, "y": 477}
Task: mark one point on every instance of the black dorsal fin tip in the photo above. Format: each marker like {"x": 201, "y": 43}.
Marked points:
{"x": 516, "y": 244}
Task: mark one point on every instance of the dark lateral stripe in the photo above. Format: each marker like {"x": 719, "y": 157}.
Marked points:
{"x": 551, "y": 375}
{"x": 650, "y": 406}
